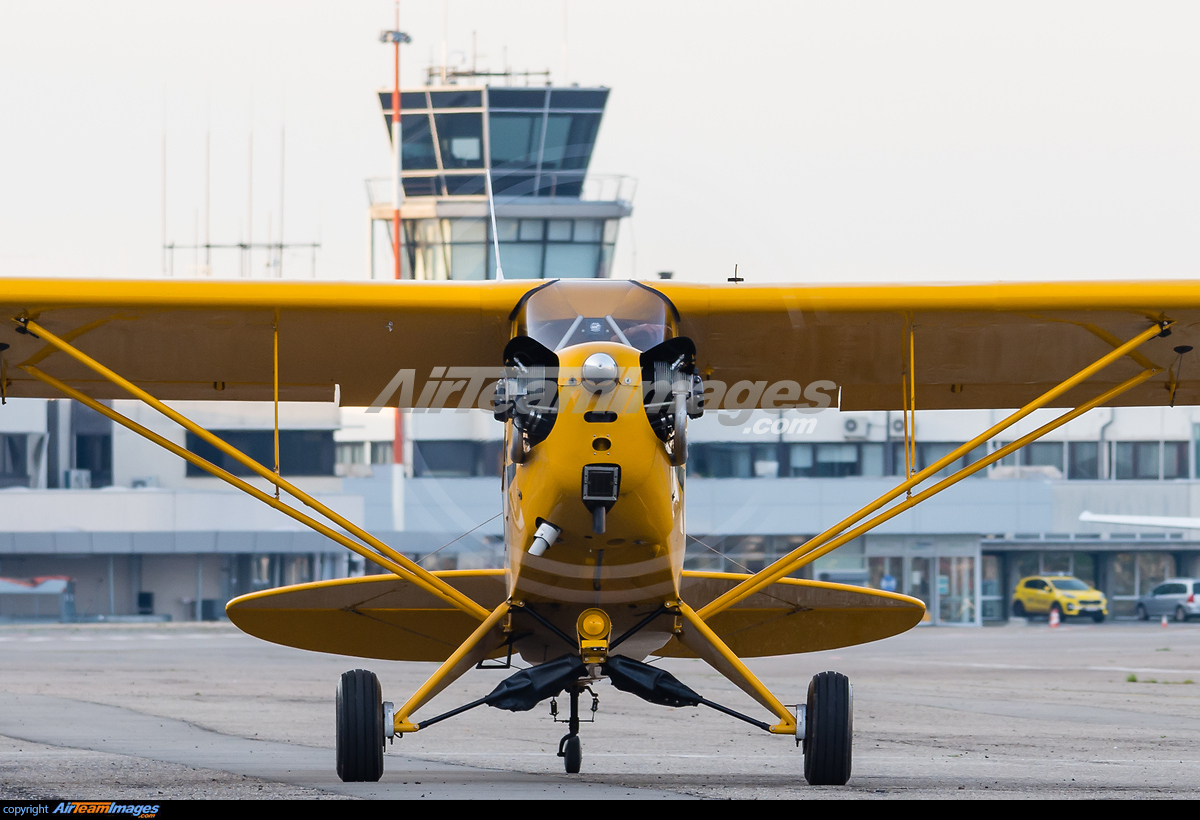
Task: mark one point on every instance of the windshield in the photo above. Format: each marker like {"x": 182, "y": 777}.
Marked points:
{"x": 1069, "y": 584}
{"x": 572, "y": 312}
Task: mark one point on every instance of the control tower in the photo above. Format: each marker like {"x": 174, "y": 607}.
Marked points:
{"x": 553, "y": 219}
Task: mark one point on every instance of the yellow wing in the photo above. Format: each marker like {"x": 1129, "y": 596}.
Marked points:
{"x": 381, "y": 616}
{"x": 976, "y": 346}
{"x": 213, "y": 340}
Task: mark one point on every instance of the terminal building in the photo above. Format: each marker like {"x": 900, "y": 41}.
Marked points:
{"x": 142, "y": 534}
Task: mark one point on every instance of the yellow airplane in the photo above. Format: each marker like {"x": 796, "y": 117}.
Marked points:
{"x": 595, "y": 381}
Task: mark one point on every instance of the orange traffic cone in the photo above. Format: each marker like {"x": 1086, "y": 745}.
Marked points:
{"x": 1164, "y": 621}
{"x": 1054, "y": 617}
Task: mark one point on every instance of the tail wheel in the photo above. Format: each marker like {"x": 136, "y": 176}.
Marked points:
{"x": 359, "y": 727}
{"x": 829, "y": 733}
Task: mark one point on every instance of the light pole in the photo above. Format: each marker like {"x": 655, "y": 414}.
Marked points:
{"x": 396, "y": 37}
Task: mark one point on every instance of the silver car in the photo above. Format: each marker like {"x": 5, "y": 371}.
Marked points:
{"x": 1177, "y": 597}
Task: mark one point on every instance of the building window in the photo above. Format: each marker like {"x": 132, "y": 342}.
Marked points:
{"x": 1175, "y": 459}
{"x": 301, "y": 452}
{"x": 1148, "y": 460}
{"x": 93, "y": 452}
{"x": 456, "y": 459}
{"x": 351, "y": 452}
{"x": 1083, "y": 460}
{"x": 930, "y": 452}
{"x": 529, "y": 248}
{"x": 13, "y": 472}
{"x": 383, "y": 452}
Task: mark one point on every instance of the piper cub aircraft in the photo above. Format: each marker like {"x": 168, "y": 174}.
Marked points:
{"x": 595, "y": 382}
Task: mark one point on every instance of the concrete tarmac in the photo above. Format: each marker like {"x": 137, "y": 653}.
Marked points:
{"x": 201, "y": 710}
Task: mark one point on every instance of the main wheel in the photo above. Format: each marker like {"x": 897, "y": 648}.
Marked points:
{"x": 829, "y": 733}
{"x": 359, "y": 727}
{"x": 1142, "y": 614}
{"x": 572, "y": 754}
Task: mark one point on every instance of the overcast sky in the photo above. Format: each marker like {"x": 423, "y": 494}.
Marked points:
{"x": 834, "y": 141}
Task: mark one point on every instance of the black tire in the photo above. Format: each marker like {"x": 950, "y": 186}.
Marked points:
{"x": 1181, "y": 615}
{"x": 1142, "y": 614}
{"x": 572, "y": 754}
{"x": 1098, "y": 617}
{"x": 829, "y": 734}
{"x": 359, "y": 727}
{"x": 1018, "y": 608}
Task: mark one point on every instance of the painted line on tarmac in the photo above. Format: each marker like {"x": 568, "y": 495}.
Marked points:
{"x": 1057, "y": 669}
{"x": 492, "y": 755}
{"x": 96, "y": 638}
{"x": 1049, "y": 711}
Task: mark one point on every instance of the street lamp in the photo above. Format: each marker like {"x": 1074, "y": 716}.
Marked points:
{"x": 396, "y": 37}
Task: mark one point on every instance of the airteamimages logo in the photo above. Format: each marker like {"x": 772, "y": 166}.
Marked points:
{"x": 106, "y": 807}
{"x": 780, "y": 426}
{"x": 466, "y": 388}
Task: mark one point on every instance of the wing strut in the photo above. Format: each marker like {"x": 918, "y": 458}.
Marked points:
{"x": 381, "y": 554}
{"x": 830, "y": 539}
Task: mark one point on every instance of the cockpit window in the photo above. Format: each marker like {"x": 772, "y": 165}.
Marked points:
{"x": 568, "y": 313}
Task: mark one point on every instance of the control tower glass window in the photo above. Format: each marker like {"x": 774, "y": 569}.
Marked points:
{"x": 569, "y": 140}
{"x": 516, "y": 140}
{"x": 460, "y": 138}
{"x": 417, "y": 140}
{"x": 517, "y": 98}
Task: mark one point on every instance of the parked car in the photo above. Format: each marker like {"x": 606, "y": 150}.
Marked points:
{"x": 1177, "y": 597}
{"x": 1041, "y": 594}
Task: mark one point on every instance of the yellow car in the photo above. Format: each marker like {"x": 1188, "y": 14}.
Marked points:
{"x": 1040, "y": 594}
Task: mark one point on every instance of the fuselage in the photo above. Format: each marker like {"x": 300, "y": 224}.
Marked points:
{"x": 629, "y": 561}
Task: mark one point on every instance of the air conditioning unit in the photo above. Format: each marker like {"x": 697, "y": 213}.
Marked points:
{"x": 855, "y": 427}
{"x": 78, "y": 479}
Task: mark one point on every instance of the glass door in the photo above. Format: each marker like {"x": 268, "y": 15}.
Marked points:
{"x": 956, "y": 590}
{"x": 917, "y": 583}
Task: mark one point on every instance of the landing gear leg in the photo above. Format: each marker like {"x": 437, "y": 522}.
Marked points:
{"x": 569, "y": 748}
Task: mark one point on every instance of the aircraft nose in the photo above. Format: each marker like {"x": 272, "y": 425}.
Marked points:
{"x": 599, "y": 372}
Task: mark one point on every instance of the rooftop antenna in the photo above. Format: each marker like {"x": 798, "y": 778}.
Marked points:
{"x": 279, "y": 263}
{"x": 248, "y": 268}
{"x": 207, "y": 201}
{"x": 445, "y": 36}
{"x": 735, "y": 277}
{"x": 164, "y": 197}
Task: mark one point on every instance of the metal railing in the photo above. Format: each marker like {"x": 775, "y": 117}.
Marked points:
{"x": 596, "y": 188}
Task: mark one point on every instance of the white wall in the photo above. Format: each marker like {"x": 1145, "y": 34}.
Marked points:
{"x": 23, "y": 416}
